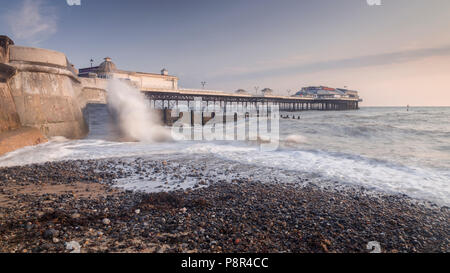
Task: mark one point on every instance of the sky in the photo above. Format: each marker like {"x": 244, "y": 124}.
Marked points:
{"x": 394, "y": 54}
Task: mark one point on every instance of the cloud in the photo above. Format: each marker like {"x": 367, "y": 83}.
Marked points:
{"x": 345, "y": 63}
{"x": 32, "y": 22}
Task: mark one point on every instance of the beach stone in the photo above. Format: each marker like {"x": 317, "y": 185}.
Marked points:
{"x": 50, "y": 233}
{"x": 73, "y": 246}
{"x": 29, "y": 226}
{"x": 249, "y": 216}
{"x": 75, "y": 216}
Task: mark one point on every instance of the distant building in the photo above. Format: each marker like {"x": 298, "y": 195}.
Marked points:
{"x": 241, "y": 91}
{"x": 350, "y": 93}
{"x": 324, "y": 92}
{"x": 267, "y": 92}
{"x": 143, "y": 81}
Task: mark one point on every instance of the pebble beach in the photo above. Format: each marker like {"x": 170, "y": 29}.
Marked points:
{"x": 77, "y": 206}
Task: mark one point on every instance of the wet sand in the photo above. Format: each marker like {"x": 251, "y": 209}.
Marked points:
{"x": 18, "y": 138}
{"x": 44, "y": 207}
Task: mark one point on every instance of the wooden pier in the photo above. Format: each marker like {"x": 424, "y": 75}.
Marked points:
{"x": 234, "y": 105}
{"x": 163, "y": 99}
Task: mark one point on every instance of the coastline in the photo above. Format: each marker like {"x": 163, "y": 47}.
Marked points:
{"x": 45, "y": 206}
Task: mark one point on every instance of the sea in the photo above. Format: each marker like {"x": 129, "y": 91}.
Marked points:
{"x": 392, "y": 150}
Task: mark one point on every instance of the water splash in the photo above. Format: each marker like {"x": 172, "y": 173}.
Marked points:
{"x": 295, "y": 139}
{"x": 132, "y": 115}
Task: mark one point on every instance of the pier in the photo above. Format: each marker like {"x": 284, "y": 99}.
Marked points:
{"x": 164, "y": 94}
{"x": 163, "y": 99}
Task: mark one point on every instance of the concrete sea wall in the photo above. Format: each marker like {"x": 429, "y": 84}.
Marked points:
{"x": 46, "y": 92}
{"x": 42, "y": 96}
{"x": 94, "y": 90}
{"x": 9, "y": 118}
{"x": 12, "y": 134}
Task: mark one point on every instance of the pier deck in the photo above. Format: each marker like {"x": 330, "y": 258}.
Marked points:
{"x": 167, "y": 99}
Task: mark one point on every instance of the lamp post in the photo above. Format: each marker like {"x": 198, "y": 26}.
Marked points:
{"x": 92, "y": 61}
{"x": 203, "y": 84}
{"x": 256, "y": 89}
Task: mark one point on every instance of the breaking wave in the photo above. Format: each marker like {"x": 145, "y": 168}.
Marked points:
{"x": 132, "y": 114}
{"x": 393, "y": 159}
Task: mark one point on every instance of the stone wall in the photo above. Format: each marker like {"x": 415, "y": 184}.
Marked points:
{"x": 46, "y": 93}
{"x": 12, "y": 134}
{"x": 9, "y": 119}
{"x": 94, "y": 90}
{"x": 46, "y": 57}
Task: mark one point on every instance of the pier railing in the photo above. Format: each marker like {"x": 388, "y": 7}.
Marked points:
{"x": 167, "y": 99}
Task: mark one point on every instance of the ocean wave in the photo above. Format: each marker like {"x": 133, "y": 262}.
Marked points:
{"x": 377, "y": 174}
{"x": 352, "y": 148}
{"x": 295, "y": 139}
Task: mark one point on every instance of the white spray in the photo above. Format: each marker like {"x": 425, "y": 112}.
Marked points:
{"x": 135, "y": 120}
{"x": 295, "y": 139}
